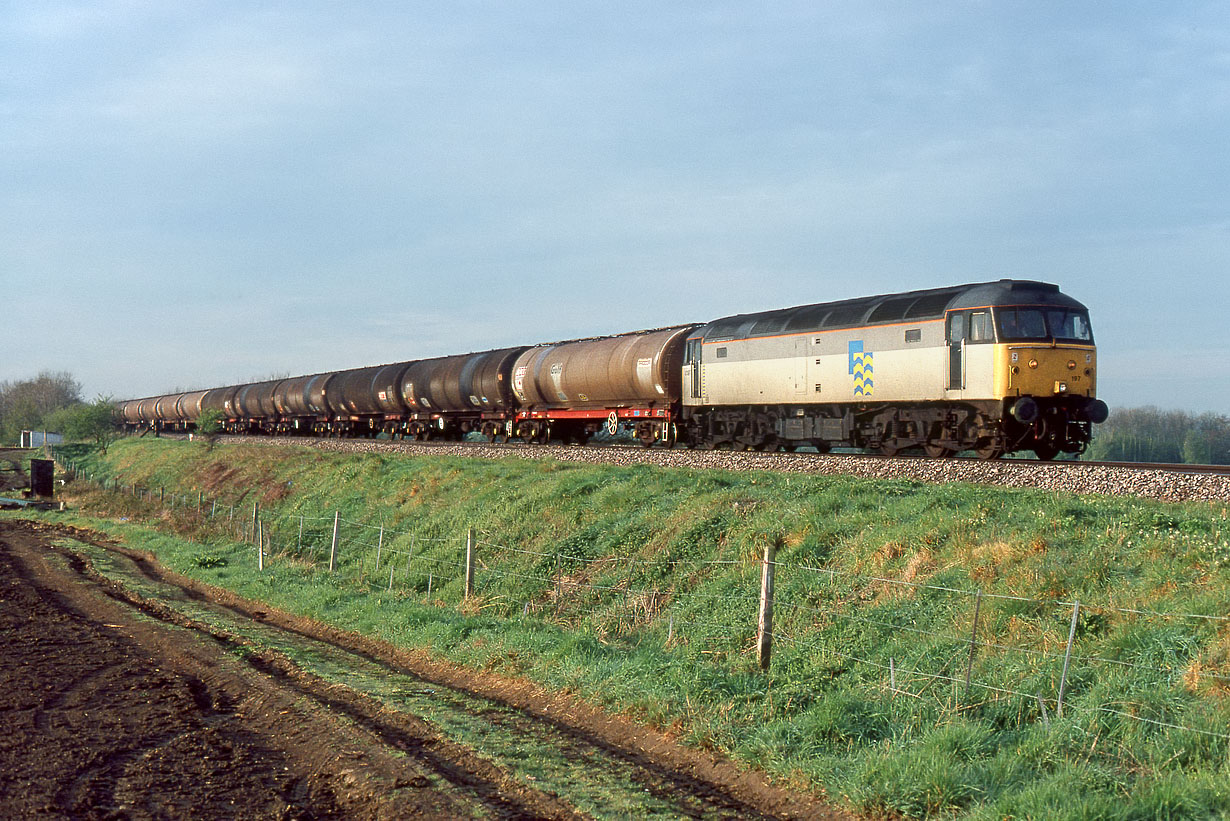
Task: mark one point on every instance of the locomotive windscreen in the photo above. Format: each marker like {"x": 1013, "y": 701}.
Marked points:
{"x": 1043, "y": 324}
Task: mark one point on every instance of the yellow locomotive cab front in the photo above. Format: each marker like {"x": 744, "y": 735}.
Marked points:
{"x": 1045, "y": 370}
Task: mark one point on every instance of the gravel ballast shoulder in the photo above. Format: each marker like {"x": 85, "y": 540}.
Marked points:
{"x": 1144, "y": 482}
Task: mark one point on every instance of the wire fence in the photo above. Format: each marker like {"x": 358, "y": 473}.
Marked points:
{"x": 959, "y": 649}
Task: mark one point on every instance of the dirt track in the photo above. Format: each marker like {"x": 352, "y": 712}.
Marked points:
{"x": 119, "y": 707}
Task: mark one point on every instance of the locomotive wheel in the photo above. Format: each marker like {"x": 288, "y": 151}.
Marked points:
{"x": 1045, "y": 451}
{"x": 988, "y": 451}
{"x": 889, "y": 448}
{"x": 937, "y": 451}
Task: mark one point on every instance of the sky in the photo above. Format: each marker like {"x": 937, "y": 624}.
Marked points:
{"x": 195, "y": 194}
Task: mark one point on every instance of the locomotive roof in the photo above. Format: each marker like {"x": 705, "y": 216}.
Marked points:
{"x": 884, "y": 309}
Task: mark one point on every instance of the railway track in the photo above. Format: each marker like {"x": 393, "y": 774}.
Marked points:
{"x": 1165, "y": 482}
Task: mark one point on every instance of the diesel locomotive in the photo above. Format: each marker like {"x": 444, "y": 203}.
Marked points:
{"x": 991, "y": 367}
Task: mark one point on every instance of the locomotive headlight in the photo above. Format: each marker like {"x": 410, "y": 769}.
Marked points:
{"x": 1033, "y": 363}
{"x": 1071, "y": 364}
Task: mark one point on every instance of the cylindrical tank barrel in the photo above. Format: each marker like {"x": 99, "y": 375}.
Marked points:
{"x": 316, "y": 394}
{"x": 221, "y": 400}
{"x": 617, "y": 371}
{"x": 469, "y": 382}
{"x": 145, "y": 409}
{"x": 130, "y": 411}
{"x": 264, "y": 396}
{"x": 188, "y": 406}
{"x": 255, "y": 400}
{"x": 165, "y": 407}
{"x": 386, "y": 388}
{"x": 352, "y": 392}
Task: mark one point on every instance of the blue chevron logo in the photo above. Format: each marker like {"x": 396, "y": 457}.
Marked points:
{"x": 862, "y": 368}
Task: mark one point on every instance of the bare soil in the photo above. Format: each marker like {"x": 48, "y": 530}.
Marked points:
{"x": 119, "y": 707}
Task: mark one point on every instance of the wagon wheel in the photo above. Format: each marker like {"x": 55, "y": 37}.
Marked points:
{"x": 937, "y": 451}
{"x": 670, "y": 435}
{"x": 889, "y": 447}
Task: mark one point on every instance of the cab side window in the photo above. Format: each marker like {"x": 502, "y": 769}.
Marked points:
{"x": 971, "y": 326}
{"x": 956, "y": 327}
{"x": 980, "y": 327}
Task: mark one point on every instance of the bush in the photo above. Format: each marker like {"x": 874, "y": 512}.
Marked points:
{"x": 96, "y": 421}
{"x": 208, "y": 426}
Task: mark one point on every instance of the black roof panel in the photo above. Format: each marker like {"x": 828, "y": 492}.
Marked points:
{"x": 885, "y": 309}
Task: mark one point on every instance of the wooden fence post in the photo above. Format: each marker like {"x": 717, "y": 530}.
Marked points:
{"x": 764, "y": 635}
{"x": 559, "y": 583}
{"x": 379, "y": 547}
{"x": 299, "y": 544}
{"x": 255, "y": 513}
{"x": 469, "y": 562}
{"x": 1067, "y": 656}
{"x": 260, "y": 545}
{"x": 333, "y": 549}
{"x": 973, "y": 642}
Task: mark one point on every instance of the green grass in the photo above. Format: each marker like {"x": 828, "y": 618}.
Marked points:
{"x": 644, "y": 552}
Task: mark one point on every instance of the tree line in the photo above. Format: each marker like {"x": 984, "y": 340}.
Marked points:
{"x": 1150, "y": 434}
{"x": 52, "y": 402}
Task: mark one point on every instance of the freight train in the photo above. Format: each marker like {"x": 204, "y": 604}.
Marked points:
{"x": 991, "y": 367}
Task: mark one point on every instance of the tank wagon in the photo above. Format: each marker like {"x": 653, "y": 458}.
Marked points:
{"x": 577, "y": 389}
{"x": 993, "y": 367}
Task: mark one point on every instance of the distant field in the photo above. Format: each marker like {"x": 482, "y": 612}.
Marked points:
{"x": 636, "y": 588}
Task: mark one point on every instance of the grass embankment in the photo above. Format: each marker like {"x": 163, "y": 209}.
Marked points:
{"x": 637, "y": 588}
